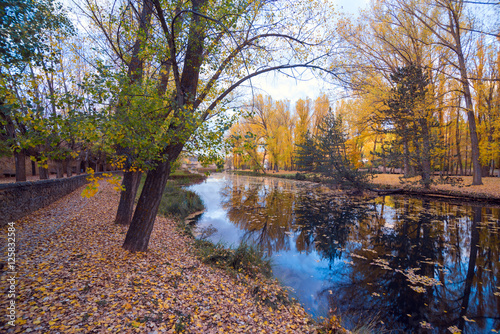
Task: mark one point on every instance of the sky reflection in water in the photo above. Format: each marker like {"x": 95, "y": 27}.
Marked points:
{"x": 412, "y": 265}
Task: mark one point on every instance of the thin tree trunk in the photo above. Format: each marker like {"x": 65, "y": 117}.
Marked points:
{"x": 59, "y": 170}
{"x": 141, "y": 226}
{"x": 457, "y": 140}
{"x": 131, "y": 181}
{"x": 264, "y": 162}
{"x": 426, "y": 154}
{"x": 78, "y": 166}
{"x": 466, "y": 162}
{"x": 43, "y": 172}
{"x": 373, "y": 155}
{"x": 69, "y": 172}
{"x": 20, "y": 159}
{"x": 406, "y": 159}
{"x": 476, "y": 177}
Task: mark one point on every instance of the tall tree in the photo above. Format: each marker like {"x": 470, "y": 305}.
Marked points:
{"x": 210, "y": 46}
{"x": 25, "y": 27}
{"x": 450, "y": 22}
{"x": 407, "y": 111}
{"x": 303, "y": 112}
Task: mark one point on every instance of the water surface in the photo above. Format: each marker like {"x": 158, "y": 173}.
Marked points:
{"x": 408, "y": 265}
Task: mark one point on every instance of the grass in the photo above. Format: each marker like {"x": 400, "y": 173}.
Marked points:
{"x": 176, "y": 202}
{"x": 244, "y": 259}
{"x": 179, "y": 203}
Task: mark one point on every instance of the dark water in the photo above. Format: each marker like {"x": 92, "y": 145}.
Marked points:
{"x": 407, "y": 265}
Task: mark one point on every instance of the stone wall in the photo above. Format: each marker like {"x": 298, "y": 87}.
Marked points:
{"x": 20, "y": 199}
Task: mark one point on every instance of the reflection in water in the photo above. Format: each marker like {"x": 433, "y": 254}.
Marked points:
{"x": 411, "y": 265}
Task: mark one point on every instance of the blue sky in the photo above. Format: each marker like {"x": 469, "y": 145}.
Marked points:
{"x": 280, "y": 87}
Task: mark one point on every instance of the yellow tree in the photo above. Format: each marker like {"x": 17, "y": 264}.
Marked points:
{"x": 280, "y": 142}
{"x": 485, "y": 75}
{"x": 450, "y": 23}
{"x": 321, "y": 107}
{"x": 269, "y": 126}
{"x": 303, "y": 119}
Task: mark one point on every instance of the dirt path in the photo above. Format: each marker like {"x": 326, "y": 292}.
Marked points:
{"x": 489, "y": 190}
{"x": 74, "y": 277}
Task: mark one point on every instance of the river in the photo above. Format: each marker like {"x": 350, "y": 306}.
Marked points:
{"x": 401, "y": 264}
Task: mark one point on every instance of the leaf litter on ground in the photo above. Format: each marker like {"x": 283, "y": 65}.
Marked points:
{"x": 74, "y": 277}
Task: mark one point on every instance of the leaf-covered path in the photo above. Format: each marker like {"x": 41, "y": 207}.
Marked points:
{"x": 74, "y": 277}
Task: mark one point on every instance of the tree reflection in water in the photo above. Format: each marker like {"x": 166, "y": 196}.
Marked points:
{"x": 414, "y": 264}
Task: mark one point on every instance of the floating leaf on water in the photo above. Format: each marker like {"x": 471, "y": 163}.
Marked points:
{"x": 418, "y": 279}
{"x": 381, "y": 263}
{"x": 425, "y": 325}
{"x": 418, "y": 289}
{"x": 454, "y": 329}
{"x": 467, "y": 319}
{"x": 375, "y": 294}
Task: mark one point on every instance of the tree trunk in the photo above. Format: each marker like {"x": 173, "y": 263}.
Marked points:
{"x": 20, "y": 159}
{"x": 78, "y": 166}
{"x": 44, "y": 173}
{"x": 476, "y": 176}
{"x": 131, "y": 181}
{"x": 59, "y": 169}
{"x": 459, "y": 156}
{"x": 142, "y": 223}
{"x": 406, "y": 159}
{"x": 485, "y": 170}
{"x": 426, "y": 154}
{"x": 69, "y": 172}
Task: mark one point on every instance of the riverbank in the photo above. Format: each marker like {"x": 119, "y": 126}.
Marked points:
{"x": 459, "y": 187}
{"x": 456, "y": 187}
{"x": 74, "y": 277}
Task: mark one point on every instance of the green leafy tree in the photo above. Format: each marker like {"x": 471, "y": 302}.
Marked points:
{"x": 26, "y": 27}
{"x": 212, "y": 49}
{"x": 327, "y": 154}
{"x": 305, "y": 153}
{"x": 408, "y": 117}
